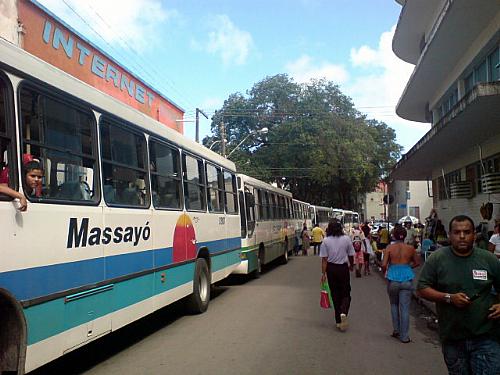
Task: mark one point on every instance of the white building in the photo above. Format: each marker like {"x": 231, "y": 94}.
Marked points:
{"x": 409, "y": 198}
{"x": 455, "y": 86}
{"x": 373, "y": 204}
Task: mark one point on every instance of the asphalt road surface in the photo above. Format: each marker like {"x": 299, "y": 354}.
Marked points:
{"x": 272, "y": 325}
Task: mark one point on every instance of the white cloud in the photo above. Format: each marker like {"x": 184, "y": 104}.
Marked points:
{"x": 213, "y": 103}
{"x": 129, "y": 23}
{"x": 377, "y": 92}
{"x": 304, "y": 69}
{"x": 363, "y": 56}
{"x": 226, "y": 40}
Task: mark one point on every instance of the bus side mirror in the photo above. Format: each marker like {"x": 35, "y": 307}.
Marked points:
{"x": 250, "y": 199}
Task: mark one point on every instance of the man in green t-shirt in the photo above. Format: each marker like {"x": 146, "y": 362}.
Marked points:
{"x": 459, "y": 279}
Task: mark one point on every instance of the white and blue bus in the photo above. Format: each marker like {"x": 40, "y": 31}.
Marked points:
{"x": 267, "y": 231}
{"x": 321, "y": 215}
{"x": 348, "y": 218}
{"x": 132, "y": 215}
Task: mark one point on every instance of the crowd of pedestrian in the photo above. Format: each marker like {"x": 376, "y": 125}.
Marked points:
{"x": 460, "y": 275}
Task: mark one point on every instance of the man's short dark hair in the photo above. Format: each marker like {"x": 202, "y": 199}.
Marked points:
{"x": 461, "y": 218}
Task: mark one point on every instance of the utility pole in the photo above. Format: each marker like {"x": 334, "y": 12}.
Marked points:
{"x": 222, "y": 131}
{"x": 198, "y": 111}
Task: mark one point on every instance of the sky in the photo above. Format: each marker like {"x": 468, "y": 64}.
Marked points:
{"x": 197, "y": 53}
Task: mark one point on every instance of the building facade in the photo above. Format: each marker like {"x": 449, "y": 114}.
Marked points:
{"x": 30, "y": 26}
{"x": 373, "y": 204}
{"x": 409, "y": 198}
{"x": 455, "y": 47}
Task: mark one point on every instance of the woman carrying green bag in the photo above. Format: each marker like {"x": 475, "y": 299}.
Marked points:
{"x": 336, "y": 250}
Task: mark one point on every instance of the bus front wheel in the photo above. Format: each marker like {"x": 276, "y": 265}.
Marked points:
{"x": 198, "y": 301}
{"x": 284, "y": 257}
{"x": 258, "y": 271}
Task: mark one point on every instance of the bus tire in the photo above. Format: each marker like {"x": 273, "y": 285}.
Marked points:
{"x": 257, "y": 272}
{"x": 197, "y": 302}
{"x": 12, "y": 336}
{"x": 284, "y": 257}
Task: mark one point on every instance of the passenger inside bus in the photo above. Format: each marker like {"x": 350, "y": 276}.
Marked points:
{"x": 33, "y": 175}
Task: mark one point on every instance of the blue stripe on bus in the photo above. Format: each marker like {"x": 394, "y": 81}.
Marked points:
{"x": 37, "y": 282}
{"x": 53, "y": 317}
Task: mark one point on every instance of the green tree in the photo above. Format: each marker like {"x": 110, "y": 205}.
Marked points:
{"x": 319, "y": 146}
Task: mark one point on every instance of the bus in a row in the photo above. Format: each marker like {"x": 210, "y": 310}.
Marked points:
{"x": 267, "y": 232}
{"x": 323, "y": 215}
{"x": 131, "y": 215}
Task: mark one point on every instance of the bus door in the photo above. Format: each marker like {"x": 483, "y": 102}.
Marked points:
{"x": 250, "y": 215}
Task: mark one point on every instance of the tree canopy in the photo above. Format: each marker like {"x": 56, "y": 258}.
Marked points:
{"x": 318, "y": 145}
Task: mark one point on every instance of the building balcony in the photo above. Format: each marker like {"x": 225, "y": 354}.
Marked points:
{"x": 472, "y": 121}
{"x": 412, "y": 26}
{"x": 460, "y": 26}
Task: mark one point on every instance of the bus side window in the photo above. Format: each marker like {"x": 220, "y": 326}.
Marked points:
{"x": 215, "y": 188}
{"x": 194, "y": 183}
{"x": 231, "y": 199}
{"x": 124, "y": 162}
{"x": 6, "y": 139}
{"x": 165, "y": 175}
{"x": 62, "y": 137}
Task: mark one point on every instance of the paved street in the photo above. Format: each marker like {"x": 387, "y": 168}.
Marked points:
{"x": 272, "y": 325}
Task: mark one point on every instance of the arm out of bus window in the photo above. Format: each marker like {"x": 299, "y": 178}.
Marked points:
{"x": 4, "y": 189}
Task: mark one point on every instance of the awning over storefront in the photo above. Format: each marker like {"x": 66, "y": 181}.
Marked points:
{"x": 472, "y": 121}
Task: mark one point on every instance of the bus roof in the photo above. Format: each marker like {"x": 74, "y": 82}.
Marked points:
{"x": 263, "y": 185}
{"x": 27, "y": 65}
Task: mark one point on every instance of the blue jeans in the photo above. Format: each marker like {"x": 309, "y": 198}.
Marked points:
{"x": 400, "y": 298}
{"x": 478, "y": 356}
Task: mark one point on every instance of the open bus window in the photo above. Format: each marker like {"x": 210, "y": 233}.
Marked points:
{"x": 215, "y": 186}
{"x": 231, "y": 199}
{"x": 194, "y": 184}
{"x": 123, "y": 166}
{"x": 6, "y": 142}
{"x": 165, "y": 175}
{"x": 62, "y": 137}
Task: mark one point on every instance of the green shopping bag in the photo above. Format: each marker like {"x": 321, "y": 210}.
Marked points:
{"x": 326, "y": 296}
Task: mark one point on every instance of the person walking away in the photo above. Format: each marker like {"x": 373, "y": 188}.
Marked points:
{"x": 411, "y": 235}
{"x": 367, "y": 248}
{"x": 459, "y": 279}
{"x": 383, "y": 236}
{"x": 494, "y": 242}
{"x": 335, "y": 252}
{"x": 306, "y": 240}
{"x": 317, "y": 237}
{"x": 399, "y": 259}
{"x": 357, "y": 239}
{"x": 440, "y": 234}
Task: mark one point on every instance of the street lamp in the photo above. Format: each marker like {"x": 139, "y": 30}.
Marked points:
{"x": 258, "y": 131}
{"x": 215, "y": 142}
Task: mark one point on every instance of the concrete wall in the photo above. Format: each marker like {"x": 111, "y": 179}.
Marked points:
{"x": 8, "y": 21}
{"x": 419, "y": 197}
{"x": 419, "y": 200}
{"x": 470, "y": 207}
{"x": 374, "y": 205}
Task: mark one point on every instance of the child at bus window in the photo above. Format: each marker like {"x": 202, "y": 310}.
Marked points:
{"x": 33, "y": 174}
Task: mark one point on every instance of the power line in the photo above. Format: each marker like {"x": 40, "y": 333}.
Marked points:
{"x": 168, "y": 81}
{"x": 135, "y": 63}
